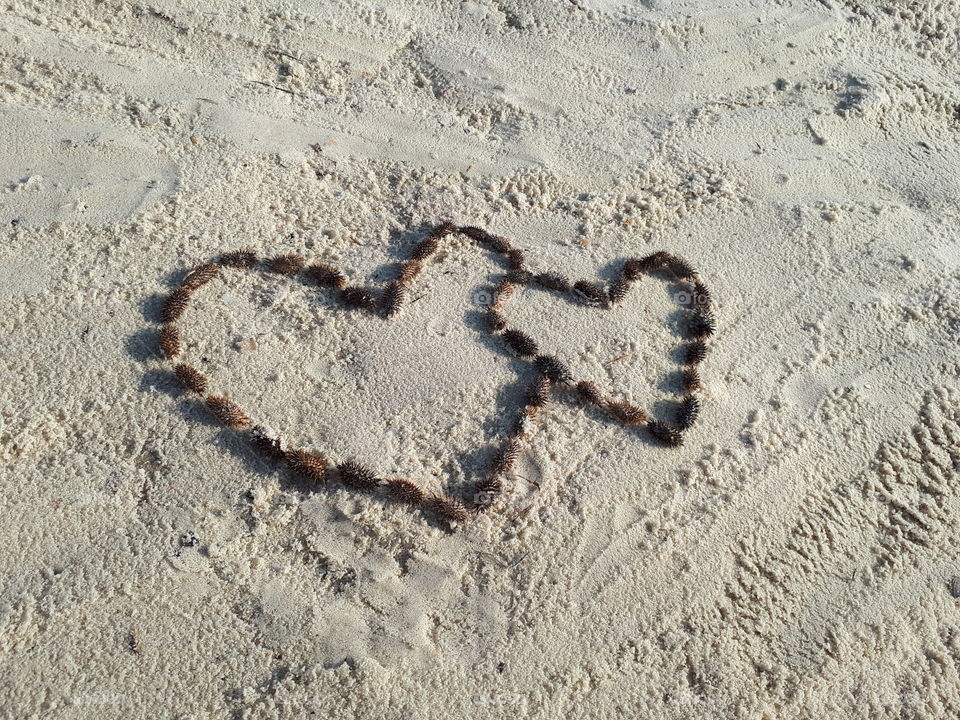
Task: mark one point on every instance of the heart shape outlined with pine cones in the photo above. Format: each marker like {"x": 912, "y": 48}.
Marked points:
{"x": 552, "y": 375}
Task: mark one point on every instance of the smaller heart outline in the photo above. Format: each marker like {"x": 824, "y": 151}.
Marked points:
{"x": 552, "y": 375}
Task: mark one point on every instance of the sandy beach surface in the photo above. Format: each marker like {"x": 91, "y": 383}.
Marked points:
{"x": 796, "y": 558}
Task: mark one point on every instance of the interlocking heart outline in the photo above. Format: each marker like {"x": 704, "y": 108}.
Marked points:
{"x": 552, "y": 375}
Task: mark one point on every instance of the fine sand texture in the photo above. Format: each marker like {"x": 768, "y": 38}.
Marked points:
{"x": 796, "y": 558}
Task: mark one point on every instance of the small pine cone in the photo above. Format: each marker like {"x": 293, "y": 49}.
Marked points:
{"x": 243, "y": 259}
{"x": 689, "y": 410}
{"x": 442, "y": 230}
{"x": 404, "y": 491}
{"x": 409, "y": 270}
{"x": 521, "y": 343}
{"x": 485, "y": 493}
{"x": 590, "y": 292}
{"x": 425, "y": 248}
{"x": 633, "y": 269}
{"x": 666, "y": 434}
{"x": 539, "y": 394}
{"x": 506, "y": 456}
{"x": 289, "y": 264}
{"x": 589, "y": 393}
{"x": 266, "y": 445}
{"x": 618, "y": 289}
{"x": 701, "y": 323}
{"x": 681, "y": 269}
{"x": 627, "y": 413}
{"x": 553, "y": 281}
{"x": 227, "y": 412}
{"x": 502, "y": 292}
{"x": 694, "y": 353}
{"x": 449, "y": 508}
{"x": 490, "y": 485}
{"x": 200, "y": 275}
{"x": 358, "y": 297}
{"x": 690, "y": 381}
{"x": 175, "y": 305}
{"x": 393, "y": 298}
{"x": 357, "y": 476}
{"x": 499, "y": 244}
{"x": 169, "y": 341}
{"x": 495, "y": 320}
{"x": 325, "y": 275}
{"x": 654, "y": 261}
{"x": 477, "y": 234}
{"x": 308, "y": 465}
{"x": 553, "y": 368}
{"x": 701, "y": 295}
{"x": 516, "y": 259}
{"x": 190, "y": 378}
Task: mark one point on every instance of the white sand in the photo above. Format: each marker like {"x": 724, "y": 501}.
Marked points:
{"x": 797, "y": 558}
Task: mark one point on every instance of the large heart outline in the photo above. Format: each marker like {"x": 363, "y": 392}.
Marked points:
{"x": 552, "y": 374}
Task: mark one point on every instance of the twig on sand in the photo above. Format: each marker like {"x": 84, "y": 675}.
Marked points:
{"x": 275, "y": 87}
